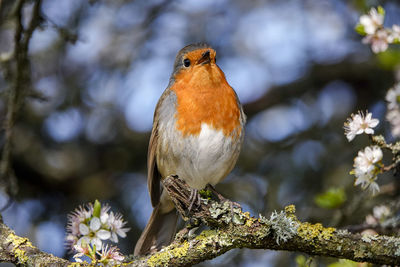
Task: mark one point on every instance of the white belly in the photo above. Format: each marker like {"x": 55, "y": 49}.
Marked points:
{"x": 199, "y": 160}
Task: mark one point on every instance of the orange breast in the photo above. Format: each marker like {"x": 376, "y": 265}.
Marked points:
{"x": 204, "y": 96}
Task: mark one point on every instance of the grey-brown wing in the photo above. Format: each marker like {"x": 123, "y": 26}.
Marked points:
{"x": 153, "y": 175}
{"x": 165, "y": 111}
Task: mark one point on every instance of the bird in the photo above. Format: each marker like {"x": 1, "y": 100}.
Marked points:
{"x": 197, "y": 134}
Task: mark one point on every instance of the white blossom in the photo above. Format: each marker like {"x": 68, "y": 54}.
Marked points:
{"x": 394, "y": 34}
{"x": 75, "y": 218}
{"x": 116, "y": 224}
{"x": 393, "y": 97}
{"x": 393, "y": 116}
{"x": 110, "y": 254}
{"x": 379, "y": 41}
{"x": 378, "y": 36}
{"x": 82, "y": 250}
{"x": 93, "y": 234}
{"x": 87, "y": 233}
{"x": 359, "y": 124}
{"x": 393, "y": 106}
{"x": 365, "y": 169}
{"x": 373, "y": 187}
{"x": 365, "y": 160}
{"x": 380, "y": 212}
{"x": 372, "y": 21}
{"x": 367, "y": 180}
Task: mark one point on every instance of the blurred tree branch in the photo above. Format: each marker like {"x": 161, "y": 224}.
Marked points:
{"x": 17, "y": 71}
{"x": 232, "y": 228}
{"x": 319, "y": 75}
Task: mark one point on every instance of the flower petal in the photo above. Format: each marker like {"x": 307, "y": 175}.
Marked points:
{"x": 96, "y": 242}
{"x": 83, "y": 242}
{"x": 350, "y": 136}
{"x": 373, "y": 123}
{"x": 122, "y": 232}
{"x": 114, "y": 237}
{"x": 104, "y": 218}
{"x": 95, "y": 224}
{"x": 369, "y": 131}
{"x": 83, "y": 229}
{"x": 103, "y": 234}
{"x": 374, "y": 188}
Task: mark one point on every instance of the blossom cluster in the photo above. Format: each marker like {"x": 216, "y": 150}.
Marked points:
{"x": 366, "y": 168}
{"x": 89, "y": 227}
{"x": 371, "y": 25}
{"x": 393, "y": 109}
{"x": 368, "y": 161}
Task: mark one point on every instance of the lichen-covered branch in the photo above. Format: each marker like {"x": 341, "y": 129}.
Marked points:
{"x": 282, "y": 231}
{"x": 230, "y": 228}
{"x": 19, "y": 250}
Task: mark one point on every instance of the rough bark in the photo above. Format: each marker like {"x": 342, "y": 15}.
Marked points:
{"x": 230, "y": 228}
{"x": 19, "y": 250}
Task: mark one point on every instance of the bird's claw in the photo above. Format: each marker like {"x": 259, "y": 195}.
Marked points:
{"x": 194, "y": 200}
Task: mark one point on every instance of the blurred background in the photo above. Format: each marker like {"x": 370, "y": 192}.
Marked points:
{"x": 298, "y": 67}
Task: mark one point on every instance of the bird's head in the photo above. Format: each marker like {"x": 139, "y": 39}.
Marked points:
{"x": 196, "y": 60}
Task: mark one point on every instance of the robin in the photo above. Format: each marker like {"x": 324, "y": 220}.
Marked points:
{"x": 197, "y": 134}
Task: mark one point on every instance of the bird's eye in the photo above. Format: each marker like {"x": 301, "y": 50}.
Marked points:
{"x": 186, "y": 62}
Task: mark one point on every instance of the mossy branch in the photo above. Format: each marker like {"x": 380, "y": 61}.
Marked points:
{"x": 282, "y": 231}
{"x": 230, "y": 228}
{"x": 20, "y": 251}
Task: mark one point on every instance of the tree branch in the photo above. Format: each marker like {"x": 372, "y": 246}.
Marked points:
{"x": 319, "y": 76}
{"x": 230, "y": 228}
{"x": 283, "y": 231}
{"x": 17, "y": 71}
{"x": 19, "y": 250}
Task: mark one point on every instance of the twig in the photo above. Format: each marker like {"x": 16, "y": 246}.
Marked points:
{"x": 17, "y": 70}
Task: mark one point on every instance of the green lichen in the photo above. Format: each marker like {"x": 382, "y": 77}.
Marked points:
{"x": 206, "y": 194}
{"x": 225, "y": 240}
{"x": 74, "y": 264}
{"x": 217, "y": 209}
{"x": 164, "y": 257}
{"x": 397, "y": 252}
{"x": 212, "y": 237}
{"x": 368, "y": 238}
{"x": 263, "y": 219}
{"x": 227, "y": 213}
{"x": 284, "y": 227}
{"x": 361, "y": 252}
{"x": 16, "y": 242}
{"x": 239, "y": 218}
{"x": 206, "y": 234}
{"x": 290, "y": 209}
{"x": 309, "y": 231}
{"x": 250, "y": 220}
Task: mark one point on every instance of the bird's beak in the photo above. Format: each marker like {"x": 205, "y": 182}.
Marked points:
{"x": 205, "y": 58}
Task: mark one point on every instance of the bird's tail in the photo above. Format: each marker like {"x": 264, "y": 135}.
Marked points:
{"x": 159, "y": 231}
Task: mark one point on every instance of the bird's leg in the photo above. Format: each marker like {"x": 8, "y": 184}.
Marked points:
{"x": 194, "y": 199}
